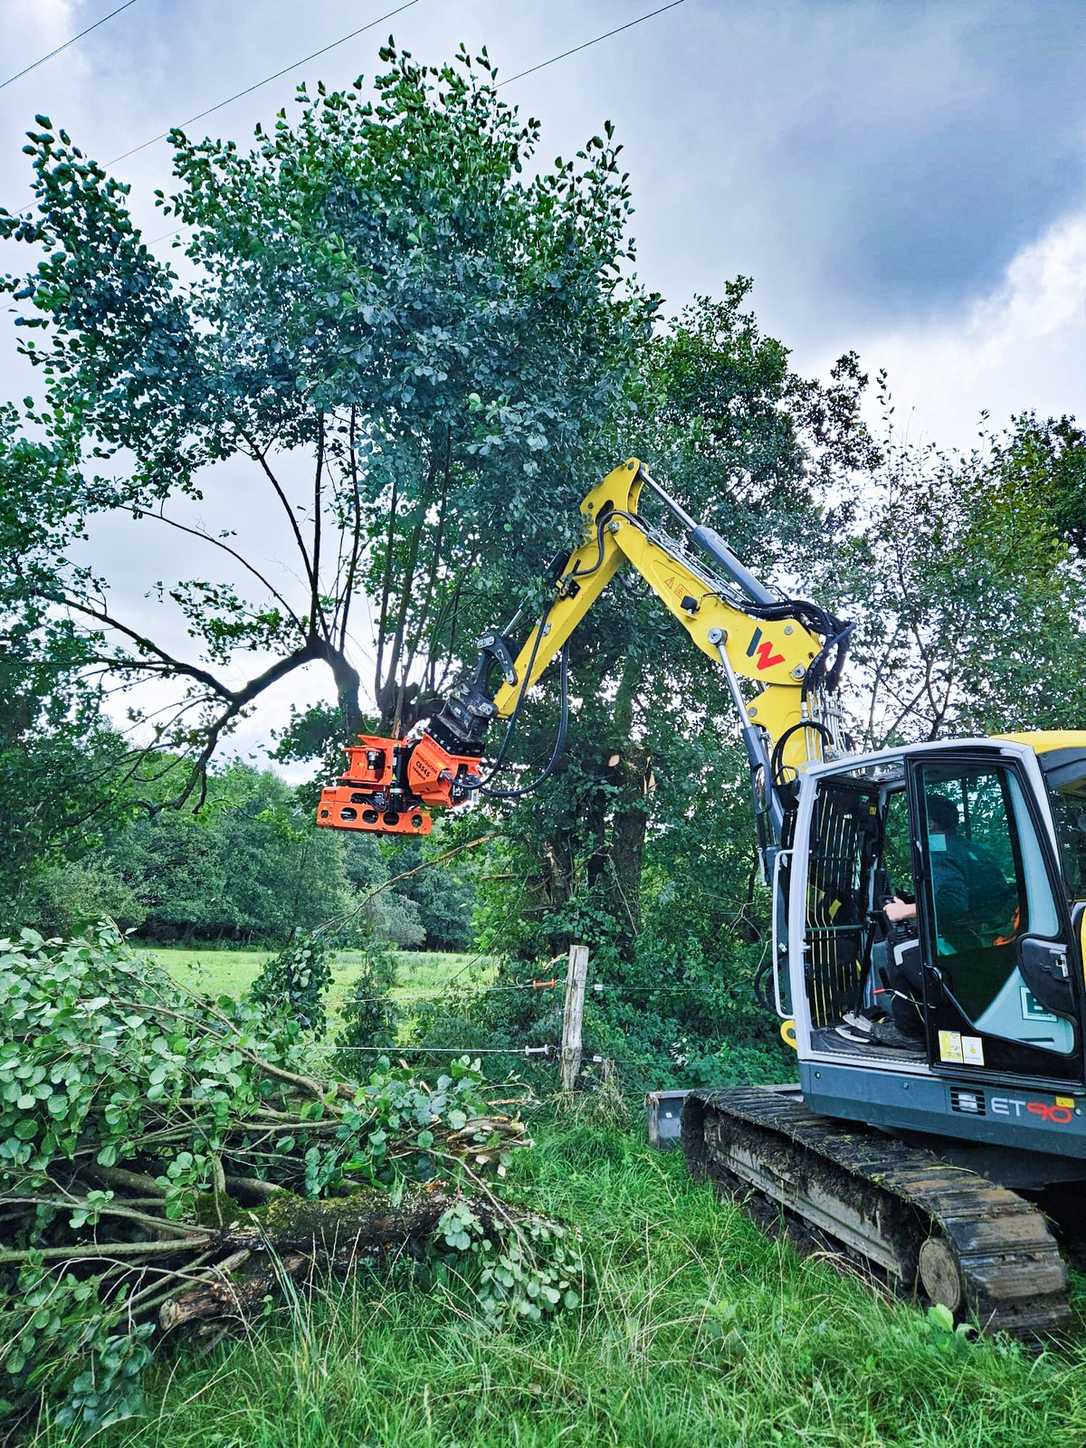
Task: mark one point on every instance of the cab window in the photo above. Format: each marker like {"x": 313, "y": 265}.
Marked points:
{"x": 897, "y": 859}
{"x": 987, "y": 889}
{"x": 1067, "y": 795}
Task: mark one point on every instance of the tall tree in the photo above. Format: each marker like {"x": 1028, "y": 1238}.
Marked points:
{"x": 720, "y": 416}
{"x": 410, "y": 348}
{"x": 968, "y": 591}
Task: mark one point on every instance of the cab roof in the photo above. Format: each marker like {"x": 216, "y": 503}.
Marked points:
{"x": 1061, "y": 753}
{"x": 1044, "y": 741}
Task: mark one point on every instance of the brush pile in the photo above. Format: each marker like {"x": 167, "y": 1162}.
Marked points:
{"x": 167, "y": 1160}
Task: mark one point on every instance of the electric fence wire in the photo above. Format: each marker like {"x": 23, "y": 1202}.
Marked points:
{"x": 593, "y": 993}
{"x": 409, "y": 998}
{"x": 547, "y": 1050}
{"x": 70, "y": 41}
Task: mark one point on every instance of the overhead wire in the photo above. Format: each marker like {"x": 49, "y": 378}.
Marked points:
{"x": 586, "y": 44}
{"x": 237, "y": 96}
{"x": 201, "y": 115}
{"x": 531, "y": 70}
{"x": 219, "y": 105}
{"x": 70, "y": 41}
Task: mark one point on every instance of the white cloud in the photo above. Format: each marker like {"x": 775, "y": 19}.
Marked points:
{"x": 47, "y": 21}
{"x": 1022, "y": 346}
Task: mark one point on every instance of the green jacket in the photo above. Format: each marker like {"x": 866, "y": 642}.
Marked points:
{"x": 967, "y": 883}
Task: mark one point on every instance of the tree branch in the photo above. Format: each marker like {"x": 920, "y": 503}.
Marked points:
{"x": 386, "y": 591}
{"x": 259, "y": 457}
{"x": 316, "y": 612}
{"x": 356, "y": 530}
{"x": 218, "y": 543}
{"x": 191, "y": 671}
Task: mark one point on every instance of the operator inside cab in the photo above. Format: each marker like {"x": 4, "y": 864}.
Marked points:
{"x": 974, "y": 904}
{"x": 967, "y": 884}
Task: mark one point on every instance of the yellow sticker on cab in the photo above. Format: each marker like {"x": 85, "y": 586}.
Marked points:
{"x": 950, "y": 1046}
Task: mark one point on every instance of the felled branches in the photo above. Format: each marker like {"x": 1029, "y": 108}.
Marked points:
{"x": 168, "y": 1159}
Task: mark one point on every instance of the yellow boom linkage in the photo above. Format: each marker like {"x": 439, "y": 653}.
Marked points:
{"x": 776, "y": 655}
{"x": 792, "y": 649}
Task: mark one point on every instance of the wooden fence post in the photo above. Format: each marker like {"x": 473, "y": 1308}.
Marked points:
{"x": 573, "y": 1015}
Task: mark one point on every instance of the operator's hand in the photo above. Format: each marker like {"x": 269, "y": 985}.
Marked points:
{"x": 898, "y": 910}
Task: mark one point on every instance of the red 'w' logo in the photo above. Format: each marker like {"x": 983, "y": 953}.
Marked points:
{"x": 766, "y": 657}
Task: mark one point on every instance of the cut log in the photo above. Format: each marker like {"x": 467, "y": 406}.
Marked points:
{"x": 231, "y": 1298}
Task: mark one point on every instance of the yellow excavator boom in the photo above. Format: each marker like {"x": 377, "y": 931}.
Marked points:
{"x": 777, "y": 655}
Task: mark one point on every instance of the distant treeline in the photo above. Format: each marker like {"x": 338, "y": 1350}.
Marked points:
{"x": 248, "y": 868}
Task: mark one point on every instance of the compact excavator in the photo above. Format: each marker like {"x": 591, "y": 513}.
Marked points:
{"x": 926, "y": 959}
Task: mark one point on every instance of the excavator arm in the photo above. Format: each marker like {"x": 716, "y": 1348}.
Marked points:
{"x": 793, "y": 650}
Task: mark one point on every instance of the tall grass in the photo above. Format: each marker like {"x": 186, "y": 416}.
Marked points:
{"x": 232, "y": 972}
{"x": 695, "y": 1330}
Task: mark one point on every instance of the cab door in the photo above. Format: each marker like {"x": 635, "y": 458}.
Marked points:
{"x": 1002, "y": 977}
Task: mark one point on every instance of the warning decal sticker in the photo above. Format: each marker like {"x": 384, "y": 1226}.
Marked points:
{"x": 950, "y": 1046}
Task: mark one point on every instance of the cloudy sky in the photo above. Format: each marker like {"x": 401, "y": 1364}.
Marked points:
{"x": 903, "y": 178}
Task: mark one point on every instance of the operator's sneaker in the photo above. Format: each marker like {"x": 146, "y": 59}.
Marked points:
{"x": 887, "y": 1034}
{"x": 863, "y": 1024}
{"x": 860, "y": 1035}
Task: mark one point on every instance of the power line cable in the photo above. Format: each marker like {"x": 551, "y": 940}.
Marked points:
{"x": 266, "y": 81}
{"x": 585, "y": 45}
{"x": 238, "y": 95}
{"x": 71, "y": 41}
{"x": 554, "y": 59}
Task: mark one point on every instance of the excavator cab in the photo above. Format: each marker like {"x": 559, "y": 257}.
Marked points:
{"x": 991, "y": 960}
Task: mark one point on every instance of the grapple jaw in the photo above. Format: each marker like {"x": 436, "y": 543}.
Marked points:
{"x": 390, "y": 785}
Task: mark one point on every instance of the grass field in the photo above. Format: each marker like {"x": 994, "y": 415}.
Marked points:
{"x": 696, "y": 1332}
{"x": 229, "y": 972}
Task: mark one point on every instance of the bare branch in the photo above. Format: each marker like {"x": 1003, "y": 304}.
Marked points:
{"x": 356, "y": 530}
{"x": 191, "y": 671}
{"x": 316, "y": 612}
{"x": 405, "y": 597}
{"x": 435, "y": 560}
{"x": 386, "y": 591}
{"x": 218, "y": 543}
{"x": 259, "y": 456}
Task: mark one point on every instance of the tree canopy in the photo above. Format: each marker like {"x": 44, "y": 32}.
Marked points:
{"x": 398, "y": 339}
{"x": 374, "y": 297}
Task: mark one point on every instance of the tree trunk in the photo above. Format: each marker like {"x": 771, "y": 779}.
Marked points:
{"x": 629, "y": 771}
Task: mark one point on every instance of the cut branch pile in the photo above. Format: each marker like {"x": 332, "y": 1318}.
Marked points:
{"x": 166, "y": 1159}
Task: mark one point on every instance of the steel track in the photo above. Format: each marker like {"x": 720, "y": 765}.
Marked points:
{"x": 936, "y": 1231}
